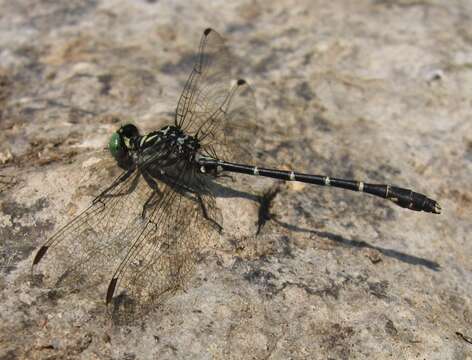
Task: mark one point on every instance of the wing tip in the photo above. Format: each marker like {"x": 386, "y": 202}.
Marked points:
{"x": 39, "y": 255}
{"x": 111, "y": 290}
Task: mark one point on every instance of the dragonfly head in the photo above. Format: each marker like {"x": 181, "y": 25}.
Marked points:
{"x": 120, "y": 144}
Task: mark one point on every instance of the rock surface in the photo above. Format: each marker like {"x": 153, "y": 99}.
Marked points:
{"x": 375, "y": 90}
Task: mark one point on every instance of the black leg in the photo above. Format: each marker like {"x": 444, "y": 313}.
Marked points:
{"x": 115, "y": 183}
{"x": 153, "y": 198}
{"x": 215, "y": 224}
{"x": 183, "y": 188}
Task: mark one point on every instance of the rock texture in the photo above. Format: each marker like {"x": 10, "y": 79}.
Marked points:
{"x": 379, "y": 90}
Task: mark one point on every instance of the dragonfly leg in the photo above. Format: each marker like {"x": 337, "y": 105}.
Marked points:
{"x": 154, "y": 197}
{"x": 184, "y": 188}
{"x": 115, "y": 183}
{"x": 215, "y": 224}
{"x": 149, "y": 204}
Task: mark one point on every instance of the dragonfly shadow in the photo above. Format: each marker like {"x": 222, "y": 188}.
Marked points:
{"x": 223, "y": 191}
{"x": 406, "y": 258}
{"x": 227, "y": 192}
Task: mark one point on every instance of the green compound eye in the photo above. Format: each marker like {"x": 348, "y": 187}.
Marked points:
{"x": 116, "y": 146}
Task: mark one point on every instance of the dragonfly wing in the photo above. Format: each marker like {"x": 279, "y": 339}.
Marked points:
{"x": 214, "y": 106}
{"x": 84, "y": 252}
{"x": 164, "y": 254}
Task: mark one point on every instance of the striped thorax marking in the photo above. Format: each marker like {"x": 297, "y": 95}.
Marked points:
{"x": 327, "y": 181}
{"x": 145, "y": 139}
{"x": 165, "y": 130}
{"x": 181, "y": 140}
{"x": 256, "y": 170}
{"x": 360, "y": 186}
{"x": 127, "y": 142}
{"x": 292, "y": 175}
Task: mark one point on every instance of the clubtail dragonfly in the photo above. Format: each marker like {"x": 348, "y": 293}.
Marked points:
{"x": 145, "y": 229}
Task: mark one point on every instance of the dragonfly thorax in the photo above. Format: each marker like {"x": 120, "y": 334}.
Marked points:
{"x": 171, "y": 137}
{"x": 127, "y": 146}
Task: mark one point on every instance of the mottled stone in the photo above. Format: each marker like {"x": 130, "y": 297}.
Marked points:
{"x": 376, "y": 90}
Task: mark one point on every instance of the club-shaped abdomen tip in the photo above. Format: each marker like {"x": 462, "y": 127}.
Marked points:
{"x": 430, "y": 205}
{"x": 111, "y": 290}
{"x": 427, "y": 205}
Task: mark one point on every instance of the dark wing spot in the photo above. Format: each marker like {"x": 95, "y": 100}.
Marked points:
{"x": 111, "y": 289}
{"x": 207, "y": 31}
{"x": 40, "y": 254}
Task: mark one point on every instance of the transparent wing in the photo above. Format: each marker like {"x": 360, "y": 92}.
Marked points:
{"x": 214, "y": 107}
{"x": 165, "y": 253}
{"x": 208, "y": 82}
{"x": 83, "y": 253}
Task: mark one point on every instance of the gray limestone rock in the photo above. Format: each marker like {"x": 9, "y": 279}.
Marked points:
{"x": 375, "y": 90}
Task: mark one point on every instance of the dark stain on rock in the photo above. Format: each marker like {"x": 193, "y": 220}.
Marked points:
{"x": 401, "y": 4}
{"x": 307, "y": 59}
{"x": 262, "y": 278}
{"x": 300, "y": 146}
{"x": 6, "y": 85}
{"x": 9, "y": 355}
{"x": 337, "y": 341}
{"x": 304, "y": 91}
{"x": 390, "y": 328}
{"x": 54, "y": 295}
{"x": 239, "y": 27}
{"x": 59, "y": 14}
{"x": 16, "y": 210}
{"x": 46, "y": 151}
{"x": 15, "y": 247}
{"x": 468, "y": 151}
{"x": 7, "y": 182}
{"x": 379, "y": 289}
{"x": 129, "y": 356}
{"x": 84, "y": 342}
{"x": 286, "y": 247}
{"x": 331, "y": 290}
{"x": 185, "y": 64}
{"x": 321, "y": 123}
{"x": 383, "y": 172}
{"x": 266, "y": 64}
{"x": 32, "y": 71}
{"x": 259, "y": 276}
{"x": 105, "y": 81}
{"x": 146, "y": 77}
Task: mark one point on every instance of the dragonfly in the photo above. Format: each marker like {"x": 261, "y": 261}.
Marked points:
{"x": 143, "y": 232}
